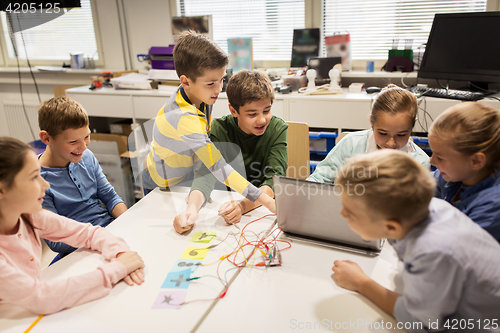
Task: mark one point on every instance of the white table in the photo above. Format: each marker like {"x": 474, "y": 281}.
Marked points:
{"x": 276, "y": 299}
{"x": 303, "y": 294}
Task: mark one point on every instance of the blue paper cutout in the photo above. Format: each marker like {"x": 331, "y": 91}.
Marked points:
{"x": 177, "y": 280}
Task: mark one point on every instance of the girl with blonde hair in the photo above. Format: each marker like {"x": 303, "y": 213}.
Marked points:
{"x": 392, "y": 118}
{"x": 465, "y": 141}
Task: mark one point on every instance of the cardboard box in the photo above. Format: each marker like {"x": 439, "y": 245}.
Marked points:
{"x": 108, "y": 148}
{"x": 123, "y": 127}
{"x": 121, "y": 140}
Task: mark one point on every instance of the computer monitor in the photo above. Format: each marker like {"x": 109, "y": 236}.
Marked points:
{"x": 463, "y": 47}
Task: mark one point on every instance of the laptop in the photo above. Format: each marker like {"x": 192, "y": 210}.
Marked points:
{"x": 310, "y": 212}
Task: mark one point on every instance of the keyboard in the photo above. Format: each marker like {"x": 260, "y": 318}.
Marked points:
{"x": 447, "y": 93}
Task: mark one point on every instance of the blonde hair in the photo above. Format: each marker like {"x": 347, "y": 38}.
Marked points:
{"x": 247, "y": 87}
{"x": 470, "y": 128}
{"x": 400, "y": 189}
{"x": 60, "y": 113}
{"x": 194, "y": 53}
{"x": 392, "y": 100}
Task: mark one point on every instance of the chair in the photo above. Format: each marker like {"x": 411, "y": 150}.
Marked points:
{"x": 341, "y": 136}
{"x": 61, "y": 90}
{"x": 298, "y": 150}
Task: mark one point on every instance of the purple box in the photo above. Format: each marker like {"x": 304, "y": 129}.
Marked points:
{"x": 162, "y": 57}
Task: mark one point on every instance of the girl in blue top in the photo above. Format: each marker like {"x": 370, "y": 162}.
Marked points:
{"x": 465, "y": 141}
{"x": 393, "y": 116}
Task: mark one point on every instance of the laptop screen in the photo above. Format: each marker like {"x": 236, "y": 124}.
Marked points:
{"x": 312, "y": 210}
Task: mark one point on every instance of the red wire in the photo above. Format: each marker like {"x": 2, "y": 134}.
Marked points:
{"x": 260, "y": 243}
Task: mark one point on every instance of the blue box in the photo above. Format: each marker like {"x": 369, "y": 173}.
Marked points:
{"x": 321, "y": 143}
{"x": 423, "y": 143}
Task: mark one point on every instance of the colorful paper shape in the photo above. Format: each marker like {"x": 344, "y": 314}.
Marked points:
{"x": 170, "y": 299}
{"x": 182, "y": 264}
{"x": 240, "y": 53}
{"x": 203, "y": 236}
{"x": 177, "y": 280}
{"x": 194, "y": 253}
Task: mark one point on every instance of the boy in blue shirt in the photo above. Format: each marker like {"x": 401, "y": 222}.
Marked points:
{"x": 451, "y": 265}
{"x": 78, "y": 187}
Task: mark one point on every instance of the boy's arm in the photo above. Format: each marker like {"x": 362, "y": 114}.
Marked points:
{"x": 185, "y": 220}
{"x": 350, "y": 276}
{"x": 193, "y": 133}
{"x": 204, "y": 182}
{"x": 433, "y": 283}
{"x": 119, "y": 209}
{"x": 233, "y": 210}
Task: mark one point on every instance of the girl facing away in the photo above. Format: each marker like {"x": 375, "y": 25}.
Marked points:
{"x": 392, "y": 118}
{"x": 465, "y": 143}
{"x": 23, "y": 223}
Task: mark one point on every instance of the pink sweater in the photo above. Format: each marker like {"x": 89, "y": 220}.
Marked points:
{"x": 20, "y": 257}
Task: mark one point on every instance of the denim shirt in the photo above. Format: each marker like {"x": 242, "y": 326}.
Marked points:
{"x": 480, "y": 202}
{"x": 451, "y": 272}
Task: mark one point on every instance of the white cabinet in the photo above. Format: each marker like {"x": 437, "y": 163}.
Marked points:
{"x": 345, "y": 111}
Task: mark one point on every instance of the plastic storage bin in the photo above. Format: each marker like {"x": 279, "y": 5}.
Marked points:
{"x": 320, "y": 144}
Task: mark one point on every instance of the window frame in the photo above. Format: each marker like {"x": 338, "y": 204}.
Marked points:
{"x": 8, "y": 62}
{"x": 262, "y": 63}
{"x": 314, "y": 12}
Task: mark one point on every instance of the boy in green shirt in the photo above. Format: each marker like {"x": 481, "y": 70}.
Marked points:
{"x": 252, "y": 130}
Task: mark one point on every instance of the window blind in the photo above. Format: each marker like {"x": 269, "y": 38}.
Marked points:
{"x": 373, "y": 25}
{"x": 56, "y": 39}
{"x": 270, "y": 23}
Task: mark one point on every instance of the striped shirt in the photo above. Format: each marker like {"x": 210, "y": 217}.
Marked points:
{"x": 181, "y": 143}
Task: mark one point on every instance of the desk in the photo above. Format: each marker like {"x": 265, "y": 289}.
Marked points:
{"x": 258, "y": 300}
{"x": 345, "y": 111}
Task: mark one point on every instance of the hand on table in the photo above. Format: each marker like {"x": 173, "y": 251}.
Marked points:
{"x": 134, "y": 265}
{"x": 231, "y": 211}
{"x": 349, "y": 275}
{"x": 185, "y": 221}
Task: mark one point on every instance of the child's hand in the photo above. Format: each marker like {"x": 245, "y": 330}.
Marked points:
{"x": 185, "y": 221}
{"x": 231, "y": 211}
{"x": 268, "y": 202}
{"x": 132, "y": 262}
{"x": 136, "y": 276}
{"x": 349, "y": 275}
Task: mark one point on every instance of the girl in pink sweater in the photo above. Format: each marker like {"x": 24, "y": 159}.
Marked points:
{"x": 23, "y": 223}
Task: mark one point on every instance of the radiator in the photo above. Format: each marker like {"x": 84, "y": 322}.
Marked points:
{"x": 17, "y": 123}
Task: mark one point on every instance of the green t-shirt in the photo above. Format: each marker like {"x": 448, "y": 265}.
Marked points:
{"x": 263, "y": 156}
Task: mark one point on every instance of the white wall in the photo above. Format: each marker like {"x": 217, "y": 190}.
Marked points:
{"x": 148, "y": 24}
{"x": 126, "y": 28}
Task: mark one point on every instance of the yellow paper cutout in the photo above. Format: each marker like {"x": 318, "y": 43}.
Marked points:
{"x": 194, "y": 253}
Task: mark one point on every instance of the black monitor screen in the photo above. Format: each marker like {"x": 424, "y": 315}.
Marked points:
{"x": 463, "y": 47}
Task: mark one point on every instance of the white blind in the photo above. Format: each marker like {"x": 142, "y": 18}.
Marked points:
{"x": 374, "y": 24}
{"x": 269, "y": 23}
{"x": 56, "y": 39}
